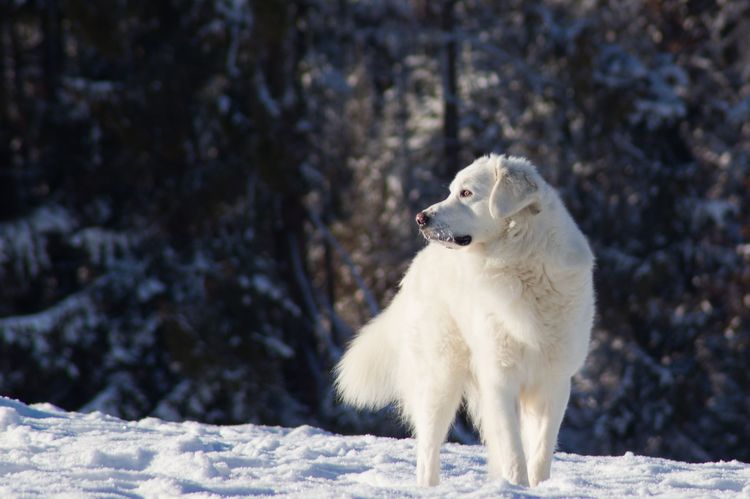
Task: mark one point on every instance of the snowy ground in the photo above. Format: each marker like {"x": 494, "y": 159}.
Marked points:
{"x": 48, "y": 452}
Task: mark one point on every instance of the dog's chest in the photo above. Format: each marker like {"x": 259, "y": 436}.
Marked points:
{"x": 513, "y": 311}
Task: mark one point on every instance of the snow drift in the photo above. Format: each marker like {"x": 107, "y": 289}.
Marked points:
{"x": 45, "y": 451}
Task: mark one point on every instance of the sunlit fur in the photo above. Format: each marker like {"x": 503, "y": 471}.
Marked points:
{"x": 501, "y": 324}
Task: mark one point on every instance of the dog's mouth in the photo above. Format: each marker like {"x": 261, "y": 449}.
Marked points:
{"x": 462, "y": 240}
{"x": 445, "y": 237}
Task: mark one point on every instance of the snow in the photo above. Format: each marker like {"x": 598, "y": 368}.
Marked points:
{"x": 24, "y": 242}
{"x": 47, "y": 452}
{"x": 70, "y": 315}
{"x": 102, "y": 245}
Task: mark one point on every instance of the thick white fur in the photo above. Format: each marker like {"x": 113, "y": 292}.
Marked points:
{"x": 501, "y": 324}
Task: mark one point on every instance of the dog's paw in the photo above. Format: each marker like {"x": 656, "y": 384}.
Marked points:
{"x": 427, "y": 480}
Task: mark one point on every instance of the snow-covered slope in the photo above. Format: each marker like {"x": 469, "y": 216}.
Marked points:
{"x": 48, "y": 452}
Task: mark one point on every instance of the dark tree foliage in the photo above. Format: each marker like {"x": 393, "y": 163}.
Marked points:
{"x": 200, "y": 201}
{"x": 154, "y": 221}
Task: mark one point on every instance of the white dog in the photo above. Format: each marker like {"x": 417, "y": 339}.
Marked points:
{"x": 496, "y": 311}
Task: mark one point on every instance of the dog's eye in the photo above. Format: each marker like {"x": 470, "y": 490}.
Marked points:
{"x": 465, "y": 193}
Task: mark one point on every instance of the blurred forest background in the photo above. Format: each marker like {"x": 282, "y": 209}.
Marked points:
{"x": 202, "y": 200}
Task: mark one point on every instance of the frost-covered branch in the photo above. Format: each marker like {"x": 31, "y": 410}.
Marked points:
{"x": 328, "y": 235}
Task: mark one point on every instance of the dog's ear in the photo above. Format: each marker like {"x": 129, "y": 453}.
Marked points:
{"x": 513, "y": 191}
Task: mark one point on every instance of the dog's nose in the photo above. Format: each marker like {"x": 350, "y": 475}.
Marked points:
{"x": 422, "y": 219}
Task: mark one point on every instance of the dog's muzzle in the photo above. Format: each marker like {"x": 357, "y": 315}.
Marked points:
{"x": 445, "y": 237}
{"x": 439, "y": 233}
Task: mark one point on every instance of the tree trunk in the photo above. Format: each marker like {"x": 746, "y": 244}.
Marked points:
{"x": 450, "y": 91}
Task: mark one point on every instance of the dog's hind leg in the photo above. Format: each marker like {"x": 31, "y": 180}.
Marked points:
{"x": 430, "y": 403}
{"x": 542, "y": 415}
{"x": 432, "y": 416}
{"x": 501, "y": 432}
{"x": 430, "y": 429}
{"x": 493, "y": 402}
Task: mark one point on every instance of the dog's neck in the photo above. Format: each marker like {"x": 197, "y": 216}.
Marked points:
{"x": 500, "y": 255}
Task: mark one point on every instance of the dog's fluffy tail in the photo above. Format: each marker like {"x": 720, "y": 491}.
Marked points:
{"x": 365, "y": 375}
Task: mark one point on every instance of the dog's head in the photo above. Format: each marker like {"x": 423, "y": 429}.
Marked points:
{"x": 487, "y": 199}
